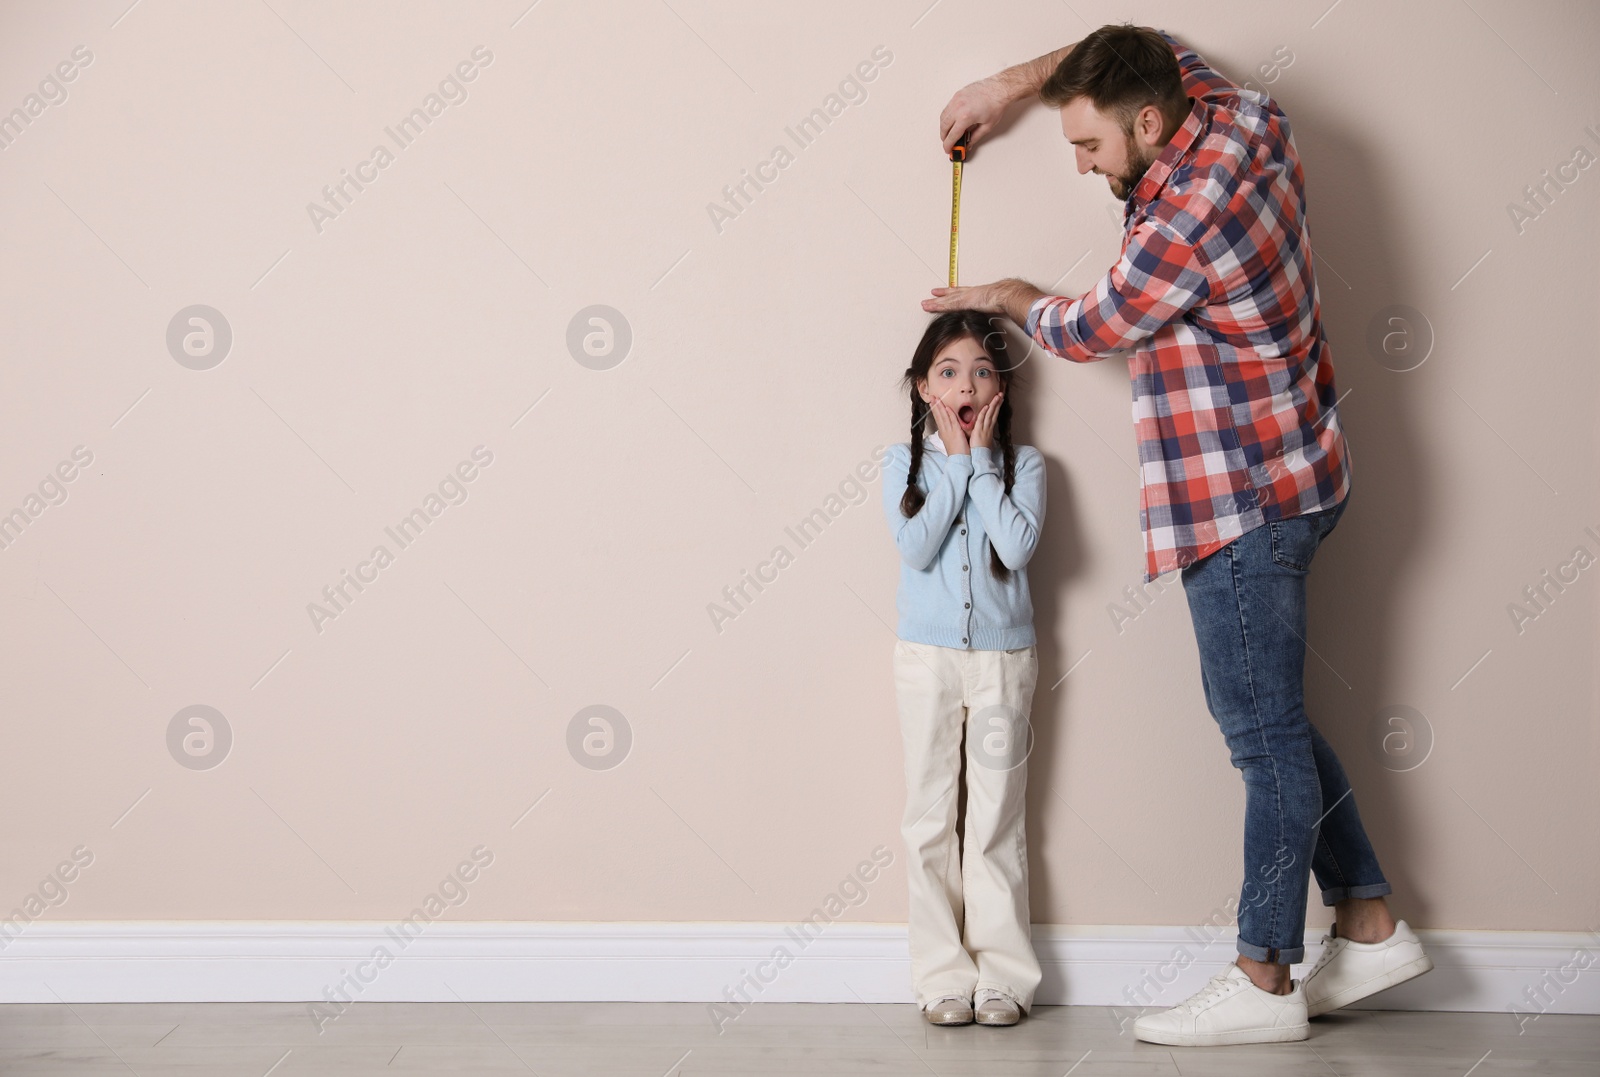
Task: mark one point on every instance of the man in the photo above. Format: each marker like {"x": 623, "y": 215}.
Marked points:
{"x": 1243, "y": 471}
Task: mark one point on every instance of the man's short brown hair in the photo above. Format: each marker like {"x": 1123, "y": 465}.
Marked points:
{"x": 1120, "y": 68}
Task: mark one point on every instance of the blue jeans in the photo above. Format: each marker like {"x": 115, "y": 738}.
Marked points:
{"x": 1248, "y": 604}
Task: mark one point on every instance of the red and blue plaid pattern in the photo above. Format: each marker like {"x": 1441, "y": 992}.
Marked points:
{"x": 1215, "y": 295}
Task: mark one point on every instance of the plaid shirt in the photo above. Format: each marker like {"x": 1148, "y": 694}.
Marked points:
{"x": 1215, "y": 295}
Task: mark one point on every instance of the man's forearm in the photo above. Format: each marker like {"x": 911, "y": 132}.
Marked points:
{"x": 1024, "y": 79}
{"x": 1015, "y": 296}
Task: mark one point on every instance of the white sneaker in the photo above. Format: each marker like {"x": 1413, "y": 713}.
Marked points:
{"x": 949, "y": 1010}
{"x": 1230, "y": 1009}
{"x": 991, "y": 1007}
{"x": 1348, "y": 971}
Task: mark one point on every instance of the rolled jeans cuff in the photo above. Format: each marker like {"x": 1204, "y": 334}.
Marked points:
{"x": 1292, "y": 955}
{"x": 1336, "y": 894}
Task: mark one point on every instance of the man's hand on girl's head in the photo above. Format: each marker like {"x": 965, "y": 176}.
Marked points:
{"x": 1011, "y": 297}
{"x": 972, "y": 297}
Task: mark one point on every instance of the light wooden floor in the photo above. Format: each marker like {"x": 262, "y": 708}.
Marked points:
{"x": 658, "y": 1040}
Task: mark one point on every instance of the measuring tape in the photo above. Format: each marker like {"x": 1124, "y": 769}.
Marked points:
{"x": 958, "y": 154}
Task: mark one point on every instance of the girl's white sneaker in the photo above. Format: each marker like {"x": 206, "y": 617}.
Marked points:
{"x": 949, "y": 1010}
{"x": 991, "y": 1007}
{"x": 1348, "y": 971}
{"x": 1229, "y": 1009}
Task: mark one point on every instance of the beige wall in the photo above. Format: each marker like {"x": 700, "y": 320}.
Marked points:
{"x": 371, "y": 358}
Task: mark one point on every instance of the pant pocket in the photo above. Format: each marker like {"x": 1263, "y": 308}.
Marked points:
{"x": 1294, "y": 541}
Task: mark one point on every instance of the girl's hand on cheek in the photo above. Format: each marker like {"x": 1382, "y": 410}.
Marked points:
{"x": 950, "y": 432}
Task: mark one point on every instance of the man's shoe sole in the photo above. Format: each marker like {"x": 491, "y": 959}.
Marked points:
{"x": 1287, "y": 1034}
{"x": 1356, "y": 992}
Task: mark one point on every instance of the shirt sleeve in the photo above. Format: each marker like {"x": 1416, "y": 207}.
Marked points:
{"x": 1199, "y": 79}
{"x": 1155, "y": 281}
{"x": 919, "y": 537}
{"x": 1011, "y": 521}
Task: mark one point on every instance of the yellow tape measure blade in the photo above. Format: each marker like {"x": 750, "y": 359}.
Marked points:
{"x": 955, "y": 218}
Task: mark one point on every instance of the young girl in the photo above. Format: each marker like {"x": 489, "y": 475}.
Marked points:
{"x": 965, "y": 506}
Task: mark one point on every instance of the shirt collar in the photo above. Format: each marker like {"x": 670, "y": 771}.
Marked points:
{"x": 936, "y": 441}
{"x": 1183, "y": 140}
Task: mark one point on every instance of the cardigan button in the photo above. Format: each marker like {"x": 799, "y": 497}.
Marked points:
{"x": 963, "y": 639}
{"x": 967, "y": 605}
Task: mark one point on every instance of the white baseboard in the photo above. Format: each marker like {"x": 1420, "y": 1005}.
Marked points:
{"x": 293, "y": 961}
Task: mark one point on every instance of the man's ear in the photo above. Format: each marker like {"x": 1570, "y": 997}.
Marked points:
{"x": 1149, "y": 124}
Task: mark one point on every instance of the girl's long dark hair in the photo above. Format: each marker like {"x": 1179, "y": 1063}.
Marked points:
{"x": 948, "y": 327}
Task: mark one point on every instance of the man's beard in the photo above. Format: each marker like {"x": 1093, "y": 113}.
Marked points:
{"x": 1122, "y": 186}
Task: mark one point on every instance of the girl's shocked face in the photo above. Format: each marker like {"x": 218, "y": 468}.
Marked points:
{"x": 964, "y": 377}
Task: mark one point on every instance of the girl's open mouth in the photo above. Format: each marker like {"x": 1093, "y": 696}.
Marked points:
{"x": 967, "y": 414}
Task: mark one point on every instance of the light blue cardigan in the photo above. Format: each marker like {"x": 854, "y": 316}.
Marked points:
{"x": 948, "y": 596}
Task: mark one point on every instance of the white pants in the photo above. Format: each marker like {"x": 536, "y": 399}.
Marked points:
{"x": 968, "y": 915}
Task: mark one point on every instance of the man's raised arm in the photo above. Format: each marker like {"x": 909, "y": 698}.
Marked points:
{"x": 979, "y": 105}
